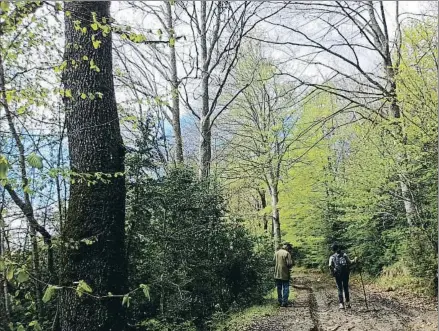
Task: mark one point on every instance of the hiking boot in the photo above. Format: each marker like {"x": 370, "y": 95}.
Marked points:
{"x": 341, "y": 306}
{"x": 348, "y": 305}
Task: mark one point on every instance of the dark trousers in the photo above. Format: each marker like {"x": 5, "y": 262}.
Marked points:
{"x": 343, "y": 285}
{"x": 283, "y": 291}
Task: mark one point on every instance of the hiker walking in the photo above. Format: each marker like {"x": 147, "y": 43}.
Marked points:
{"x": 283, "y": 265}
{"x": 339, "y": 264}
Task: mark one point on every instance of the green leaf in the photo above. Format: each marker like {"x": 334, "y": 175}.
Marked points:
{"x": 145, "y": 289}
{"x": 35, "y": 161}
{"x": 126, "y": 300}
{"x": 85, "y": 58}
{"x": 9, "y": 96}
{"x": 4, "y": 166}
{"x": 21, "y": 110}
{"x": 35, "y": 325}
{"x": 27, "y": 190}
{"x": 22, "y": 276}
{"x": 93, "y": 66}
{"x": 2, "y": 266}
{"x": 172, "y": 42}
{"x": 48, "y": 294}
{"x": 87, "y": 241}
{"x": 10, "y": 273}
{"x": 83, "y": 287}
{"x": 83, "y": 96}
{"x": 96, "y": 43}
{"x": 68, "y": 93}
{"x": 94, "y": 26}
{"x": 21, "y": 328}
{"x": 4, "y": 5}
{"x": 129, "y": 119}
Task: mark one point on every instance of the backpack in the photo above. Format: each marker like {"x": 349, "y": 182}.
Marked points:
{"x": 340, "y": 264}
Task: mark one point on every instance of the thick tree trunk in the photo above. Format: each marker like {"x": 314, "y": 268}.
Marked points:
{"x": 96, "y": 211}
{"x": 275, "y": 216}
{"x": 176, "y": 126}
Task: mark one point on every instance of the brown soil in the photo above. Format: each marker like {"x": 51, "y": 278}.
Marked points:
{"x": 316, "y": 309}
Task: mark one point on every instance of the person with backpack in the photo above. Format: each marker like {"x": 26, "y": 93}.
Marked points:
{"x": 339, "y": 265}
{"x": 282, "y": 268}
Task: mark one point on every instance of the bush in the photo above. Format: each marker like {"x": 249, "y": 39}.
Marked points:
{"x": 195, "y": 260}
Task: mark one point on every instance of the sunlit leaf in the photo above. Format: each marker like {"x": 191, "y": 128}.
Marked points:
{"x": 22, "y": 276}
{"x": 48, "y": 294}
{"x": 35, "y": 161}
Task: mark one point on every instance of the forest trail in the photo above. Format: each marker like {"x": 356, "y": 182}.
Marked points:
{"x": 315, "y": 308}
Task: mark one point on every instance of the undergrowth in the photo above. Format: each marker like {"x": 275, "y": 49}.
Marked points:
{"x": 239, "y": 319}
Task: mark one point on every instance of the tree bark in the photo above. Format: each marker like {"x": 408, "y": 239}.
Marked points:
{"x": 37, "y": 274}
{"x": 205, "y": 130}
{"x": 263, "y": 206}
{"x": 275, "y": 216}
{"x": 176, "y": 126}
{"x": 4, "y": 293}
{"x": 95, "y": 210}
{"x": 205, "y": 147}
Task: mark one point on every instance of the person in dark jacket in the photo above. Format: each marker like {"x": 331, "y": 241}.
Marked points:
{"x": 339, "y": 265}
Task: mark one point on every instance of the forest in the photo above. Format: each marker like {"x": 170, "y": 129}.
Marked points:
{"x": 155, "y": 154}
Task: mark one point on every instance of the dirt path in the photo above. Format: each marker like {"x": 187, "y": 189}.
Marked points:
{"x": 315, "y": 308}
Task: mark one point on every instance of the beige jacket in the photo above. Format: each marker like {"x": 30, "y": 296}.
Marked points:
{"x": 283, "y": 264}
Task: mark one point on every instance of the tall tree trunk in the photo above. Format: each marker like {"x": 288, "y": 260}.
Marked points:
{"x": 176, "y": 126}
{"x": 205, "y": 129}
{"x": 275, "y": 215}
{"x": 205, "y": 147}
{"x": 37, "y": 273}
{"x": 383, "y": 43}
{"x": 95, "y": 146}
{"x": 4, "y": 294}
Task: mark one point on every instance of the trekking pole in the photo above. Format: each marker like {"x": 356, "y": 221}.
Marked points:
{"x": 362, "y": 284}
{"x": 364, "y": 290}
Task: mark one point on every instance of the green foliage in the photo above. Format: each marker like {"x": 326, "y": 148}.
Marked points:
{"x": 347, "y": 188}
{"x": 35, "y": 161}
{"x": 49, "y": 293}
{"x": 195, "y": 260}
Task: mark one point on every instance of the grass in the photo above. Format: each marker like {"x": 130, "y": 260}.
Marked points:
{"x": 239, "y": 320}
{"x": 396, "y": 278}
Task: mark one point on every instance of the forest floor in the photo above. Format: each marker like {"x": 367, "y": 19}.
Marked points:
{"x": 315, "y": 308}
